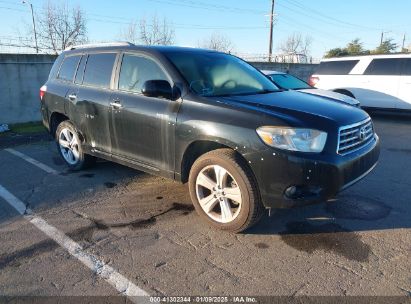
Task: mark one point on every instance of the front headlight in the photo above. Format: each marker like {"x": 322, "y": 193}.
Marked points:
{"x": 294, "y": 139}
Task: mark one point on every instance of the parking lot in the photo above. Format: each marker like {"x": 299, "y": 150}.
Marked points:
{"x": 144, "y": 228}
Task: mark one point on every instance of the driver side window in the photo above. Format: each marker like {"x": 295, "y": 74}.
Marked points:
{"x": 136, "y": 70}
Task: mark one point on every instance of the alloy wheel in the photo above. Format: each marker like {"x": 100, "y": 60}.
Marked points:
{"x": 69, "y": 146}
{"x": 218, "y": 194}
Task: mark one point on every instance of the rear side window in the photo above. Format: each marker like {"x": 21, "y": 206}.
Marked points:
{"x": 80, "y": 70}
{"x": 384, "y": 66}
{"x": 98, "y": 70}
{"x": 55, "y": 68}
{"x": 135, "y": 70}
{"x": 341, "y": 67}
{"x": 68, "y": 68}
{"x": 407, "y": 67}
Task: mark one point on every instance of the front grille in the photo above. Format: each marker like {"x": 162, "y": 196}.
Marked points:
{"x": 353, "y": 137}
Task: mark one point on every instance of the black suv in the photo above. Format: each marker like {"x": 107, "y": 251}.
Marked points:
{"x": 209, "y": 119}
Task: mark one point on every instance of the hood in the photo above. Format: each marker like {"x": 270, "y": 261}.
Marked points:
{"x": 293, "y": 103}
{"x": 332, "y": 95}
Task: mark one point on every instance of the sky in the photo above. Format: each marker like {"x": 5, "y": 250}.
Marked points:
{"x": 330, "y": 23}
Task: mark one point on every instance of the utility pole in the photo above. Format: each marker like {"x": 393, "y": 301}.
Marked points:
{"x": 270, "y": 49}
{"x": 34, "y": 24}
{"x": 382, "y": 36}
{"x": 403, "y": 43}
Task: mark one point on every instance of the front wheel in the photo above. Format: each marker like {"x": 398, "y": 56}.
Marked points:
{"x": 224, "y": 191}
{"x": 69, "y": 147}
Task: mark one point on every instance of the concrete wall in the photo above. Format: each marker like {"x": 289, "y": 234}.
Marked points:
{"x": 21, "y": 77}
{"x": 303, "y": 71}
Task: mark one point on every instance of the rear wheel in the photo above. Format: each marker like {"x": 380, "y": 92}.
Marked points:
{"x": 69, "y": 147}
{"x": 224, "y": 191}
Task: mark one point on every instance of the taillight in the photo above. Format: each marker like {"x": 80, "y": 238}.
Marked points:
{"x": 313, "y": 81}
{"x": 43, "y": 91}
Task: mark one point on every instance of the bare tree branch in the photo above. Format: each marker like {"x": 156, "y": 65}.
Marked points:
{"x": 296, "y": 44}
{"x": 153, "y": 32}
{"x": 60, "y": 27}
{"x": 130, "y": 33}
{"x": 218, "y": 42}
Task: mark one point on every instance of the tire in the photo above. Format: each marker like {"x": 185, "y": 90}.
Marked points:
{"x": 69, "y": 147}
{"x": 238, "y": 191}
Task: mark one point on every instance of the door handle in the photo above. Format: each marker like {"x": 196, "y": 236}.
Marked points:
{"x": 116, "y": 104}
{"x": 72, "y": 97}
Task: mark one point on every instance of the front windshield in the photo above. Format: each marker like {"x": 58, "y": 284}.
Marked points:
{"x": 289, "y": 82}
{"x": 218, "y": 74}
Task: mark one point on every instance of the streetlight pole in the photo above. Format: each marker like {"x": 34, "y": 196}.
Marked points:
{"x": 34, "y": 24}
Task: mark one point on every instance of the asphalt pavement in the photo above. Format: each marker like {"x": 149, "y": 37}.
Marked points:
{"x": 144, "y": 228}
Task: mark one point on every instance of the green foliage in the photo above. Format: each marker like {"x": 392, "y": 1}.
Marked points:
{"x": 29, "y": 127}
{"x": 337, "y": 52}
{"x": 387, "y": 47}
{"x": 354, "y": 48}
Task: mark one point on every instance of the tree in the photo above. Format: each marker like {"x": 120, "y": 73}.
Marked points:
{"x": 130, "y": 33}
{"x": 386, "y": 47}
{"x": 218, "y": 42}
{"x": 353, "y": 48}
{"x": 156, "y": 32}
{"x": 60, "y": 27}
{"x": 337, "y": 52}
{"x": 296, "y": 44}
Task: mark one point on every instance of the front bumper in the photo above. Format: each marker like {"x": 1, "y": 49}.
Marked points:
{"x": 316, "y": 177}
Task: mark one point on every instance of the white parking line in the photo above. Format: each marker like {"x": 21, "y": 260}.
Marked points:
{"x": 32, "y": 161}
{"x": 115, "y": 279}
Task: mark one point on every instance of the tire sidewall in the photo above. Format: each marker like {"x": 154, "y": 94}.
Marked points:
{"x": 239, "y": 176}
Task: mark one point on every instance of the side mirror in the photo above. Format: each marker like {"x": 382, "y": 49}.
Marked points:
{"x": 157, "y": 88}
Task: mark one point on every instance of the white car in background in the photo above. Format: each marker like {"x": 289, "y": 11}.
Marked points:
{"x": 377, "y": 81}
{"x": 287, "y": 81}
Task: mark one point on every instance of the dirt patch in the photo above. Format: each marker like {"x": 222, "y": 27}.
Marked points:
{"x": 138, "y": 223}
{"x": 261, "y": 245}
{"x": 329, "y": 237}
{"x": 110, "y": 185}
{"x": 358, "y": 208}
{"x": 87, "y": 175}
{"x": 16, "y": 258}
{"x": 11, "y": 139}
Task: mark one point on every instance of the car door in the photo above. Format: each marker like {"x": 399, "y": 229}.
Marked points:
{"x": 142, "y": 128}
{"x": 90, "y": 102}
{"x": 405, "y": 86}
{"x": 60, "y": 89}
{"x": 380, "y": 83}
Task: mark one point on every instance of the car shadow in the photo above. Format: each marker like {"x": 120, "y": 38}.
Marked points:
{"x": 333, "y": 226}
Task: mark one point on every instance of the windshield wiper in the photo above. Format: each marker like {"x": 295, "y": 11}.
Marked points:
{"x": 302, "y": 88}
{"x": 267, "y": 91}
{"x": 248, "y": 93}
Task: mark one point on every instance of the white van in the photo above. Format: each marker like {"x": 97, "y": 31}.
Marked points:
{"x": 377, "y": 81}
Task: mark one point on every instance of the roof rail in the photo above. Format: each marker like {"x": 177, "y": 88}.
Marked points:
{"x": 103, "y": 44}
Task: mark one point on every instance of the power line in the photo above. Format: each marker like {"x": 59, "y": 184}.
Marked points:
{"x": 208, "y": 6}
{"x": 306, "y": 8}
{"x": 176, "y": 25}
